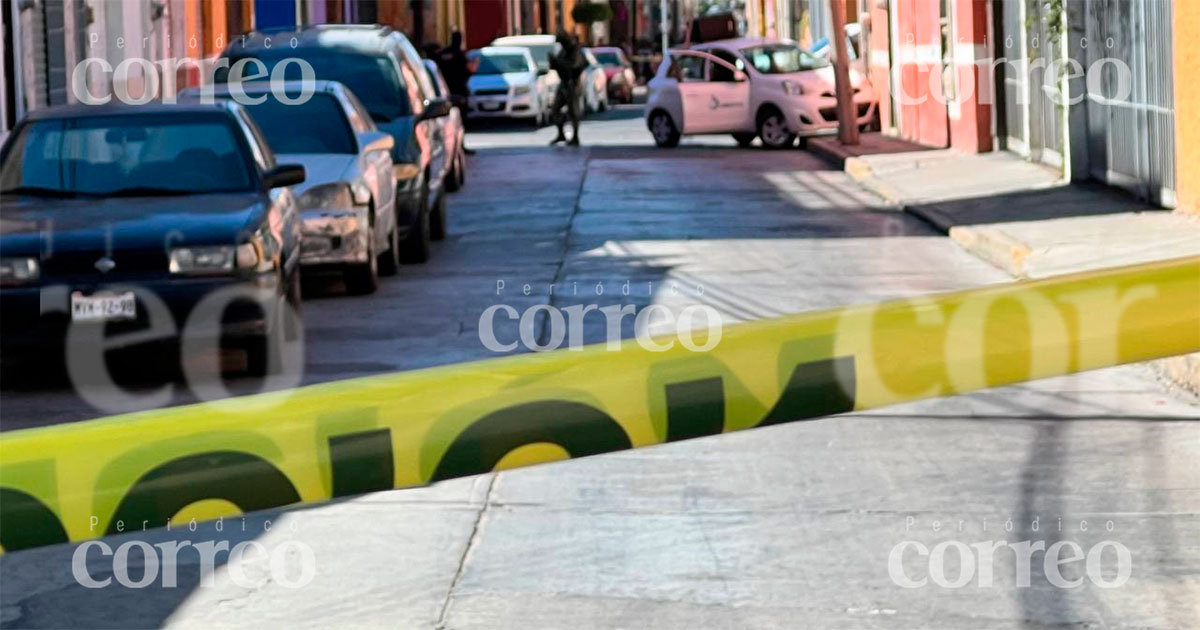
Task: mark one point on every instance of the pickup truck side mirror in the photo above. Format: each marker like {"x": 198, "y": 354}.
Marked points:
{"x": 435, "y": 108}
{"x": 284, "y": 175}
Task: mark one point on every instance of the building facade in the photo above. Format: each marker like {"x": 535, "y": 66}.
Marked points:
{"x": 1086, "y": 87}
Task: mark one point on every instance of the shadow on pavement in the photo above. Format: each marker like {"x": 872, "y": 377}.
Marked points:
{"x": 1056, "y": 202}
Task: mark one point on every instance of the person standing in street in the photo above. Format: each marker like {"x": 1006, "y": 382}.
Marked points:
{"x": 456, "y": 70}
{"x": 569, "y": 63}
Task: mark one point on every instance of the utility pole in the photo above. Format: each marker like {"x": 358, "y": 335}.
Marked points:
{"x": 847, "y": 113}
{"x": 665, "y": 25}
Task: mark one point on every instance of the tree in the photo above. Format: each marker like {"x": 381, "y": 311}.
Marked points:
{"x": 587, "y": 12}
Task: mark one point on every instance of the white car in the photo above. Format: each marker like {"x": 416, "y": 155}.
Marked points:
{"x": 749, "y": 87}
{"x": 505, "y": 85}
{"x": 595, "y": 84}
{"x": 542, "y": 47}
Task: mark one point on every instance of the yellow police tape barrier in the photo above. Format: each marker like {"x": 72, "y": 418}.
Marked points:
{"x": 137, "y": 471}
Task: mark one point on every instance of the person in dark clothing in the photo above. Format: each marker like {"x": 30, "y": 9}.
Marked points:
{"x": 456, "y": 70}
{"x": 569, "y": 63}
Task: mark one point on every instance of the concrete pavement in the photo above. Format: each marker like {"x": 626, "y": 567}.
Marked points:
{"x": 774, "y": 528}
{"x": 1021, "y": 217}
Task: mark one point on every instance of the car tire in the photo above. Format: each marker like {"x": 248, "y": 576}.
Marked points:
{"x": 454, "y": 178}
{"x": 363, "y": 279}
{"x": 416, "y": 246}
{"x": 773, "y": 131}
{"x": 389, "y": 261}
{"x": 744, "y": 138}
{"x": 460, "y": 173}
{"x": 437, "y": 220}
{"x": 663, "y": 129}
{"x": 264, "y": 353}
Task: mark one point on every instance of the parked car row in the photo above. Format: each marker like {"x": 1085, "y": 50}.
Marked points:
{"x": 513, "y": 79}
{"x": 750, "y": 87}
{"x": 124, "y": 214}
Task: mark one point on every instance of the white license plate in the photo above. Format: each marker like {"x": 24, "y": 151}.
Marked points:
{"x": 103, "y": 307}
{"x": 491, "y": 106}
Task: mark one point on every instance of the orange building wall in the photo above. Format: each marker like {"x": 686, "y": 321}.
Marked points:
{"x": 1187, "y": 106}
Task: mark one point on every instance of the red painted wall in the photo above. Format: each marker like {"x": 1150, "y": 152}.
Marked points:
{"x": 486, "y": 20}
{"x": 931, "y": 116}
{"x": 971, "y": 121}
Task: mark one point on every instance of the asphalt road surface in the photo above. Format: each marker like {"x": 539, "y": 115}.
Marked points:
{"x": 783, "y": 527}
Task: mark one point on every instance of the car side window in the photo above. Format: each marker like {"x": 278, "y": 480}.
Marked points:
{"x": 437, "y": 88}
{"x": 259, "y": 148}
{"x": 687, "y": 68}
{"x": 413, "y": 86}
{"x": 721, "y": 72}
{"x": 360, "y": 119}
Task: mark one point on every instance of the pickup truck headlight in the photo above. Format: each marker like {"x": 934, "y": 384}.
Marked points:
{"x": 327, "y": 197}
{"x": 521, "y": 90}
{"x": 406, "y": 171}
{"x": 792, "y": 88}
{"x": 18, "y": 271}
{"x": 361, "y": 193}
{"x": 216, "y": 259}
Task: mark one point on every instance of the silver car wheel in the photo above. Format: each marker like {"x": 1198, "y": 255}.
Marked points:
{"x": 661, "y": 127}
{"x": 773, "y": 131}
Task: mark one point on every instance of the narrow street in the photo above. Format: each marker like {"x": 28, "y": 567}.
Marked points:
{"x": 752, "y": 530}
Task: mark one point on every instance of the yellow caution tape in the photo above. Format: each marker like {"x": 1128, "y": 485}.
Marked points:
{"x": 137, "y": 471}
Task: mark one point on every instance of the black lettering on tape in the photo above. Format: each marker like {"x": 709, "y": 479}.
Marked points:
{"x": 362, "y": 462}
{"x": 815, "y": 388}
{"x": 579, "y": 429}
{"x": 26, "y": 522}
{"x": 695, "y": 408}
{"x": 247, "y": 481}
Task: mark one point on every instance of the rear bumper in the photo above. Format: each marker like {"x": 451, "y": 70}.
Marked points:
{"x": 502, "y": 106}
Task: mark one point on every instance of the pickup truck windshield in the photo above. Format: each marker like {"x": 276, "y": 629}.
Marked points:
{"x": 373, "y": 79}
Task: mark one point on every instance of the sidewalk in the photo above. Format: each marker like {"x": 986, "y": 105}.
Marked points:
{"x": 1021, "y": 216}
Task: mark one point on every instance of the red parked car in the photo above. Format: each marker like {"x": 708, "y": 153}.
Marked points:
{"x": 618, "y": 71}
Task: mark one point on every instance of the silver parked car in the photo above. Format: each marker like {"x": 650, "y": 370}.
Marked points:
{"x": 347, "y": 201}
{"x": 453, "y": 131}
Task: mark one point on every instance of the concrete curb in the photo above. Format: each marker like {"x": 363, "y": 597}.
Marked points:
{"x": 860, "y": 171}
{"x": 992, "y": 245}
{"x": 988, "y": 243}
{"x": 1182, "y": 371}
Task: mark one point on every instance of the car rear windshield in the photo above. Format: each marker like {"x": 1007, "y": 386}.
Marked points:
{"x": 782, "y": 59}
{"x": 609, "y": 58}
{"x": 501, "y": 63}
{"x": 114, "y": 155}
{"x": 373, "y": 79}
{"x": 317, "y": 125}
{"x": 541, "y": 53}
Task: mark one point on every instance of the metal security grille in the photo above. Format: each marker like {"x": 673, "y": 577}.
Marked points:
{"x": 1033, "y": 116}
{"x": 1012, "y": 48}
{"x": 1131, "y": 137}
